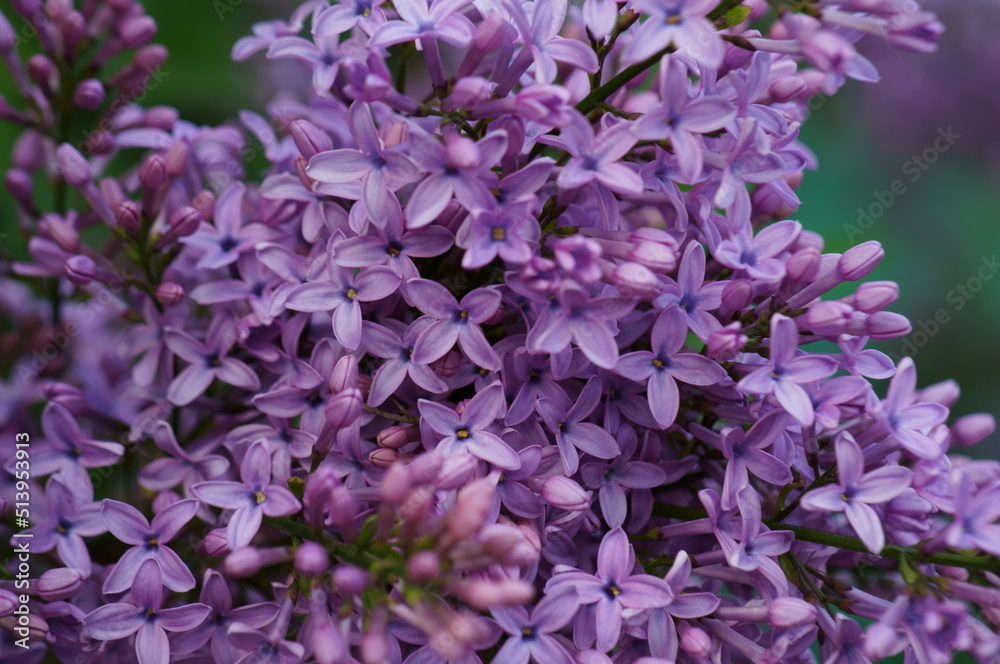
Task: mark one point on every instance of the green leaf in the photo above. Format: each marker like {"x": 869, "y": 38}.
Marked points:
{"x": 735, "y": 16}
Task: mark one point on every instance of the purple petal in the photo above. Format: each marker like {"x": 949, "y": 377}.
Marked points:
{"x": 190, "y": 384}
{"x": 114, "y": 621}
{"x": 615, "y": 559}
{"x": 183, "y": 618}
{"x": 168, "y": 523}
{"x": 243, "y": 525}
{"x": 867, "y": 525}
{"x": 151, "y": 645}
{"x": 228, "y": 495}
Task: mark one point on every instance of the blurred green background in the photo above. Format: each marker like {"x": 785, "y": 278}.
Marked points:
{"x": 936, "y": 235}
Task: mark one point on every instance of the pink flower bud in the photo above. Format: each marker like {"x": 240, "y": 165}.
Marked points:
{"x": 8, "y": 602}
{"x": 169, "y": 294}
{"x": 80, "y": 270}
{"x": 787, "y": 88}
{"x": 635, "y": 281}
{"x": 456, "y": 471}
{"x": 375, "y": 641}
{"x": 28, "y": 152}
{"x": 59, "y": 583}
{"x": 473, "y": 505}
{"x": 803, "y": 265}
{"x": 462, "y": 151}
{"x": 694, "y": 640}
{"x": 89, "y": 94}
{"x": 859, "y": 261}
{"x": 184, "y": 221}
{"x": 565, "y": 494}
{"x": 137, "y": 31}
{"x": 127, "y": 216}
{"x": 161, "y": 117}
{"x": 350, "y": 579}
{"x": 61, "y": 231}
{"x": 725, "y": 343}
{"x": 787, "y": 612}
{"x": 887, "y": 325}
{"x": 176, "y": 158}
{"x": 448, "y": 365}
{"x": 467, "y": 93}
{"x": 43, "y": 72}
{"x": 423, "y": 566}
{"x": 19, "y": 184}
{"x": 485, "y": 594}
{"x": 311, "y": 559}
{"x": 875, "y": 295}
{"x": 828, "y": 318}
{"x": 395, "y": 485}
{"x": 383, "y": 457}
{"x": 395, "y": 437}
{"x": 970, "y": 429}
{"x": 153, "y": 172}
{"x": 345, "y": 374}
{"x": 310, "y": 139}
{"x": 344, "y": 408}
{"x": 736, "y": 296}
{"x": 215, "y": 544}
{"x": 244, "y": 562}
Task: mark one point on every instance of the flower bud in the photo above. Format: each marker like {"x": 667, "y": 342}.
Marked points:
{"x": 8, "y": 603}
{"x": 127, "y": 216}
{"x": 169, "y": 293}
{"x": 163, "y": 500}
{"x": 161, "y": 117}
{"x": 43, "y": 72}
{"x": 880, "y": 641}
{"x": 215, "y": 543}
{"x": 736, "y": 296}
{"x": 859, "y": 261}
{"x": 803, "y": 265}
{"x": 725, "y": 343}
{"x": 394, "y": 437}
{"x": 28, "y": 152}
{"x": 828, "y": 318}
{"x": 74, "y": 28}
{"x": 473, "y": 505}
{"x": 21, "y": 188}
{"x": 311, "y": 559}
{"x": 467, "y": 93}
{"x": 69, "y": 396}
{"x": 137, "y": 31}
{"x": 395, "y": 485}
{"x": 345, "y": 374}
{"x": 184, "y": 221}
{"x": 310, "y": 139}
{"x": 59, "y": 583}
{"x": 970, "y": 429}
{"x": 350, "y": 579}
{"x": 375, "y": 641}
{"x": 344, "y": 408}
{"x": 176, "y": 158}
{"x": 98, "y": 142}
{"x": 244, "y": 562}
{"x": 73, "y": 167}
{"x": 61, "y": 231}
{"x": 423, "y": 566}
{"x": 27, "y": 8}
{"x": 153, "y": 172}
{"x": 485, "y": 594}
{"x": 564, "y": 493}
{"x": 89, "y": 94}
{"x": 787, "y": 612}
{"x": 80, "y": 270}
{"x": 695, "y": 641}
{"x": 635, "y": 281}
{"x": 456, "y": 471}
{"x": 447, "y": 366}
{"x": 887, "y": 325}
{"x": 875, "y": 295}
{"x": 383, "y": 457}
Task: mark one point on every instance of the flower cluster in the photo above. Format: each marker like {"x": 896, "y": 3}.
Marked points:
{"x": 513, "y": 355}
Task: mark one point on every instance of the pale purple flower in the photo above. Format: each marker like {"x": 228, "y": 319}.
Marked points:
{"x": 680, "y": 23}
{"x": 145, "y": 617}
{"x": 663, "y": 366}
{"x": 209, "y": 360}
{"x": 398, "y": 352}
{"x": 543, "y": 45}
{"x": 531, "y": 636}
{"x": 223, "y": 242}
{"x": 324, "y": 55}
{"x": 148, "y": 540}
{"x": 425, "y": 19}
{"x": 856, "y": 491}
{"x": 745, "y": 452}
{"x": 588, "y": 322}
{"x": 509, "y": 234}
{"x": 453, "y": 322}
{"x": 470, "y": 432}
{"x": 976, "y": 511}
{"x": 394, "y": 247}
{"x": 343, "y": 16}
{"x": 596, "y": 159}
{"x": 72, "y": 516}
{"x": 907, "y": 421}
{"x": 573, "y": 433}
{"x": 179, "y": 466}
{"x": 251, "y": 499}
{"x": 756, "y": 255}
{"x": 692, "y": 295}
{"x": 613, "y": 478}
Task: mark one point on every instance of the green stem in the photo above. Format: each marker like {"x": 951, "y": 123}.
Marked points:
{"x": 618, "y": 81}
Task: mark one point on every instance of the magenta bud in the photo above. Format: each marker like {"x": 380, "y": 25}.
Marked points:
{"x": 127, "y": 215}
{"x": 89, "y": 94}
{"x": 467, "y": 93}
{"x": 20, "y": 186}
{"x": 395, "y": 485}
{"x": 184, "y": 221}
{"x": 310, "y": 139}
{"x": 176, "y": 158}
{"x": 311, "y": 559}
{"x": 161, "y": 117}
{"x": 423, "y": 566}
{"x": 74, "y": 28}
{"x": 945, "y": 392}
{"x": 875, "y": 295}
{"x": 887, "y": 325}
{"x": 565, "y": 494}
{"x": 383, "y": 457}
{"x": 80, "y": 270}
{"x": 43, "y": 72}
{"x": 447, "y": 366}
{"x": 149, "y": 58}
{"x": 137, "y": 31}
{"x": 204, "y": 202}
{"x": 724, "y": 344}
{"x": 786, "y": 612}
{"x": 970, "y": 429}
{"x": 153, "y": 172}
{"x": 654, "y": 248}
{"x": 344, "y": 374}
{"x": 490, "y": 32}
{"x": 215, "y": 543}
{"x": 98, "y": 142}
{"x": 8, "y": 602}
{"x": 350, "y": 579}
{"x": 828, "y": 318}
{"x": 394, "y": 437}
{"x": 880, "y": 641}
{"x": 28, "y": 152}
{"x": 163, "y": 500}
{"x": 859, "y": 261}
{"x": 485, "y": 594}
{"x": 74, "y": 168}
{"x": 27, "y": 8}
{"x": 169, "y": 294}
{"x": 736, "y": 296}
{"x": 787, "y": 88}
{"x": 344, "y": 408}
{"x": 62, "y": 232}
{"x": 695, "y": 641}
{"x": 473, "y": 504}
{"x": 244, "y": 561}
{"x": 636, "y": 281}
{"x": 803, "y": 265}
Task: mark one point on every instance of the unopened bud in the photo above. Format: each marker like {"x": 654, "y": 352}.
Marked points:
{"x": 310, "y": 139}
{"x": 80, "y": 270}
{"x": 787, "y": 612}
{"x": 565, "y": 494}
{"x": 89, "y": 94}
{"x": 127, "y": 216}
{"x": 970, "y": 429}
{"x": 137, "y": 31}
{"x": 184, "y": 221}
{"x": 311, "y": 559}
{"x": 394, "y": 437}
{"x": 59, "y": 583}
{"x": 859, "y": 261}
{"x": 169, "y": 293}
{"x": 74, "y": 168}
{"x": 423, "y": 566}
{"x": 153, "y": 172}
{"x": 345, "y": 374}
{"x": 350, "y": 579}
{"x": 344, "y": 408}
{"x": 383, "y": 457}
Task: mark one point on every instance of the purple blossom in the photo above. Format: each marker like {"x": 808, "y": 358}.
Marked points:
{"x": 453, "y": 322}
{"x": 71, "y": 518}
{"x": 69, "y": 453}
{"x": 596, "y": 158}
{"x": 209, "y": 361}
{"x": 221, "y": 244}
{"x": 573, "y": 433}
{"x": 469, "y": 432}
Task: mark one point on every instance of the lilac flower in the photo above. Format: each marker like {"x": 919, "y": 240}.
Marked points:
{"x": 343, "y": 16}
{"x": 692, "y": 295}
{"x": 209, "y": 360}
{"x": 614, "y": 589}
{"x": 976, "y": 512}
{"x": 612, "y": 480}
{"x": 148, "y": 540}
{"x": 512, "y": 490}
{"x": 253, "y": 287}
{"x": 68, "y": 452}
{"x": 398, "y": 353}
{"x": 251, "y": 498}
{"x": 543, "y": 45}
{"x": 216, "y": 596}
{"x": 664, "y": 366}
{"x": 324, "y": 55}
{"x": 71, "y": 518}
{"x": 856, "y": 491}
{"x": 425, "y": 19}
{"x": 179, "y": 466}
{"x": 453, "y": 322}
{"x": 678, "y": 22}
{"x": 683, "y": 119}
{"x": 745, "y": 451}
{"x": 756, "y": 254}
{"x": 531, "y": 636}
{"x": 145, "y": 617}
{"x": 456, "y": 169}
{"x": 590, "y": 323}
{"x": 381, "y": 170}
{"x": 507, "y": 234}
{"x": 909, "y": 422}
{"x": 784, "y": 373}
{"x": 573, "y": 433}
{"x": 469, "y": 432}
{"x": 223, "y": 243}
{"x": 342, "y": 295}
{"x": 394, "y": 247}
{"x": 596, "y": 159}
